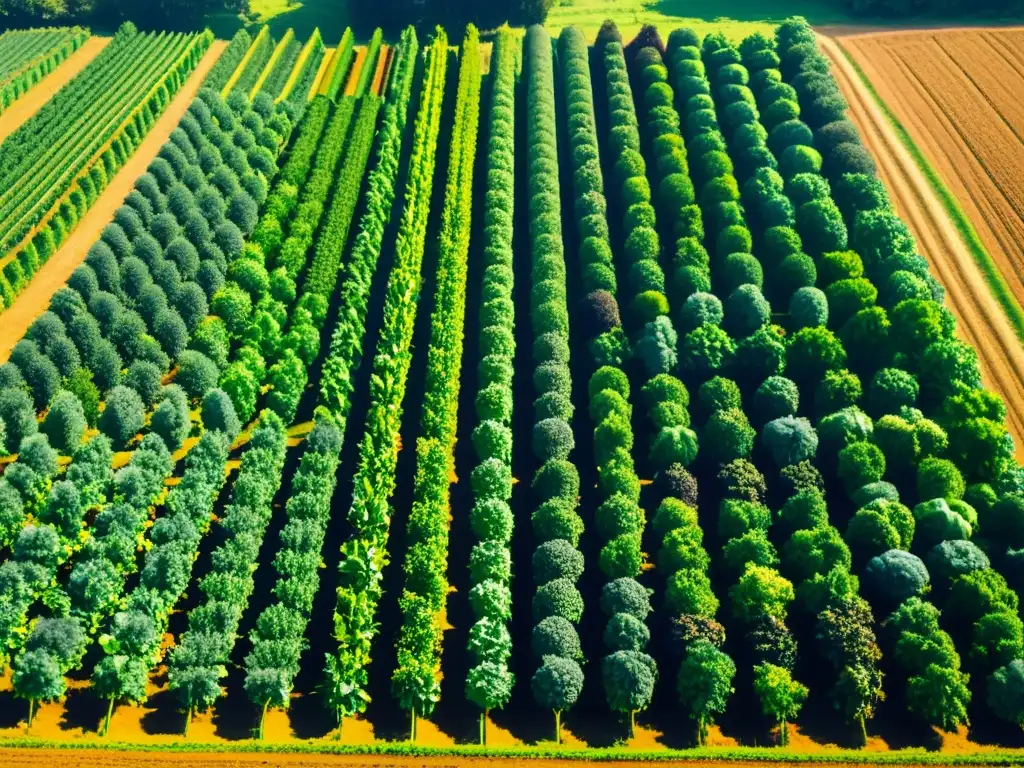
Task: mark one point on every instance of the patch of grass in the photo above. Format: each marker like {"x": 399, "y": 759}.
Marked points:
{"x": 989, "y": 269}
{"x": 915, "y": 757}
{"x": 736, "y": 18}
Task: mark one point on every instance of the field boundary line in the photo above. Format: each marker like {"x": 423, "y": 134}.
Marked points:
{"x": 1013, "y": 26}
{"x": 746, "y": 756}
{"x": 990, "y": 271}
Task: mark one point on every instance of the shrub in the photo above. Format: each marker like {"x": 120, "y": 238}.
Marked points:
{"x": 171, "y": 419}
{"x": 196, "y": 373}
{"x": 808, "y": 308}
{"x": 860, "y": 463}
{"x": 146, "y": 379}
{"x": 700, "y": 308}
{"x": 746, "y": 310}
{"x": 123, "y": 416}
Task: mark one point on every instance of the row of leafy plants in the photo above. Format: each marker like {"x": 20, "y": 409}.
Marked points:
{"x": 307, "y": 67}
{"x": 58, "y": 168}
{"x": 251, "y": 65}
{"x": 364, "y": 553}
{"x": 56, "y": 643}
{"x": 321, "y": 277}
{"x": 37, "y": 55}
{"x": 373, "y": 51}
{"x": 200, "y": 656}
{"x": 278, "y": 67}
{"x": 415, "y": 679}
{"x": 333, "y": 84}
{"x": 489, "y": 681}
{"x": 133, "y": 644}
{"x": 681, "y": 560}
{"x": 221, "y": 72}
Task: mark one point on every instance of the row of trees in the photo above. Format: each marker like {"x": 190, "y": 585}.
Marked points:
{"x": 306, "y": 321}
{"x": 557, "y": 563}
{"x": 133, "y": 644}
{"x": 198, "y": 660}
{"x": 278, "y": 637}
{"x": 415, "y": 680}
{"x": 363, "y": 554}
{"x": 489, "y": 681}
{"x": 628, "y": 672}
{"x": 346, "y": 349}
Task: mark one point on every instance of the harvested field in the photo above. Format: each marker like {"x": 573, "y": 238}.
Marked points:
{"x": 34, "y": 300}
{"x": 957, "y": 92}
{"x": 29, "y": 104}
{"x": 979, "y": 153}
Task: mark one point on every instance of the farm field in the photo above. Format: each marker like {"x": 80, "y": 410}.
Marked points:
{"x": 30, "y": 55}
{"x": 956, "y": 98}
{"x": 983, "y": 323}
{"x": 26, "y": 106}
{"x": 582, "y": 391}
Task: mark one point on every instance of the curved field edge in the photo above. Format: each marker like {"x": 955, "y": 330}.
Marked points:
{"x": 989, "y": 269}
{"x": 737, "y": 756}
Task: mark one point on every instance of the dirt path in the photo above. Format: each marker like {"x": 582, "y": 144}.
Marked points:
{"x": 353, "y": 75}
{"x": 33, "y": 301}
{"x": 980, "y": 320}
{"x": 43, "y": 91}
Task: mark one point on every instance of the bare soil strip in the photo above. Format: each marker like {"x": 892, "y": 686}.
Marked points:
{"x": 980, "y": 321}
{"x": 43, "y": 91}
{"x": 353, "y": 75}
{"x": 34, "y": 300}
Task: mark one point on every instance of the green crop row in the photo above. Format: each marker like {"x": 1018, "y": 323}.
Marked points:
{"x": 199, "y": 659}
{"x": 337, "y": 75}
{"x": 369, "y": 63}
{"x": 229, "y": 60}
{"x": 365, "y": 552}
{"x": 414, "y": 682}
{"x": 489, "y": 681}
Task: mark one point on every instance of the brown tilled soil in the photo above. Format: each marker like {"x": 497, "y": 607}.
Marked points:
{"x": 383, "y": 61}
{"x": 29, "y": 104}
{"x": 353, "y": 75}
{"x": 33, "y": 301}
{"x": 957, "y": 92}
{"x": 942, "y": 129}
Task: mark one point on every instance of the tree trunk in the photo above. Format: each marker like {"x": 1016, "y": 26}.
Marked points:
{"x": 110, "y": 714}
{"x": 632, "y": 723}
{"x": 483, "y": 728}
{"x": 863, "y": 731}
{"x": 558, "y": 726}
{"x": 341, "y": 722}
{"x": 263, "y": 717}
{"x": 31, "y": 711}
{"x": 783, "y": 734}
{"x": 702, "y": 730}
{"x": 412, "y": 724}
{"x": 188, "y": 720}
